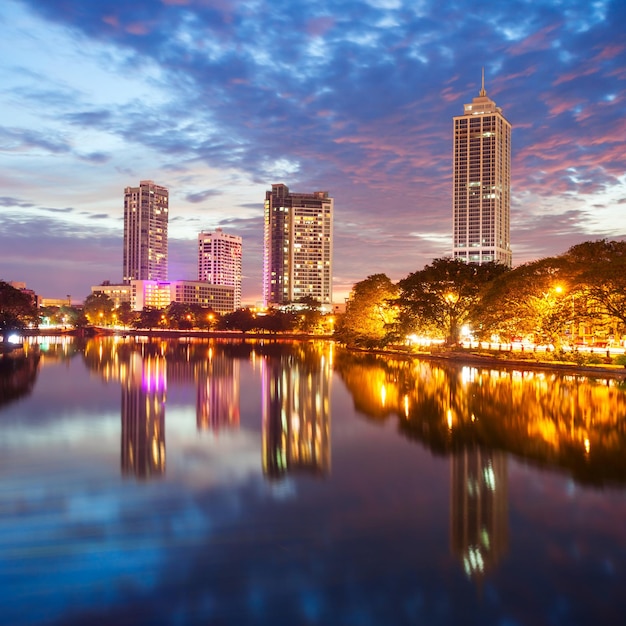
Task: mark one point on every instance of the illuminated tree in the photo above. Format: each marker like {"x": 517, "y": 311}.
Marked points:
{"x": 371, "y": 313}
{"x": 149, "y": 318}
{"x": 443, "y": 296}
{"x": 98, "y": 308}
{"x": 125, "y": 314}
{"x": 243, "y": 319}
{"x": 600, "y": 268}
{"x": 533, "y": 301}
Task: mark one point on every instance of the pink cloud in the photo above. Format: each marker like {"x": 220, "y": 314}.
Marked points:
{"x": 111, "y": 20}
{"x": 319, "y": 26}
{"x": 564, "y": 78}
{"x": 137, "y": 28}
{"x": 609, "y": 52}
{"x": 537, "y": 41}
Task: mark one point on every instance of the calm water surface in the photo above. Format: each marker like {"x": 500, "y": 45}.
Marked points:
{"x": 275, "y": 483}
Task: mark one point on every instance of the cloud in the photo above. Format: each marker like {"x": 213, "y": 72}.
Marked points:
{"x": 201, "y": 196}
{"x": 22, "y": 140}
{"x": 7, "y": 201}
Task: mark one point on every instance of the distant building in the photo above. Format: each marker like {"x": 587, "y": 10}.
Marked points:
{"x": 219, "y": 298}
{"x": 481, "y": 183}
{"x": 146, "y": 210}
{"x": 35, "y": 299}
{"x": 219, "y": 260}
{"x": 118, "y": 293}
{"x": 298, "y": 246}
{"x": 160, "y": 294}
{"x": 58, "y": 302}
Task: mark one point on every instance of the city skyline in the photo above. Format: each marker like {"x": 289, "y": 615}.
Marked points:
{"x": 357, "y": 100}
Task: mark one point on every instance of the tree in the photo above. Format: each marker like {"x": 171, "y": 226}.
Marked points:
{"x": 125, "y": 314}
{"x": 444, "y": 295}
{"x": 600, "y": 276}
{"x": 98, "y": 308}
{"x": 181, "y": 315}
{"x": 310, "y": 314}
{"x": 149, "y": 318}
{"x": 17, "y": 309}
{"x": 529, "y": 300}
{"x": 241, "y": 319}
{"x": 371, "y": 313}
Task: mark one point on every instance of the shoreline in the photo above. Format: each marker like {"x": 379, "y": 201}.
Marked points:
{"x": 458, "y": 357}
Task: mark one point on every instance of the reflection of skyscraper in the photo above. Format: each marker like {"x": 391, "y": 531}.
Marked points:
{"x": 218, "y": 394}
{"x": 143, "y": 416}
{"x": 296, "y": 416}
{"x": 479, "y": 510}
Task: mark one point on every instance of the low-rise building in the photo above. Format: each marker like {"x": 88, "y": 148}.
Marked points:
{"x": 160, "y": 294}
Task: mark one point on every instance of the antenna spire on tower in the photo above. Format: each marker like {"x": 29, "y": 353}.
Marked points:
{"x": 482, "y": 87}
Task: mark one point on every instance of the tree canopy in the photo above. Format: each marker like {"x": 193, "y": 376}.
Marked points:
{"x": 17, "y": 309}
{"x": 371, "y": 313}
{"x": 443, "y": 296}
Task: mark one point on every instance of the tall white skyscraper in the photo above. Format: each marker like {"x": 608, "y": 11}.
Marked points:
{"x": 481, "y": 183}
{"x": 146, "y": 211}
{"x": 219, "y": 260}
{"x": 298, "y": 246}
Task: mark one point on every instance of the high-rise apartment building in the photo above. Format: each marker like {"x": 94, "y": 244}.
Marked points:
{"x": 298, "y": 246}
{"x": 219, "y": 260}
{"x": 146, "y": 210}
{"x": 481, "y": 183}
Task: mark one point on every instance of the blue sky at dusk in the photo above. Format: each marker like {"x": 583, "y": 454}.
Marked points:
{"x": 219, "y": 99}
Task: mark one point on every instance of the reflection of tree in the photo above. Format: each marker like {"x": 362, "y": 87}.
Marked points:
{"x": 479, "y": 509}
{"x": 550, "y": 419}
{"x": 17, "y": 377}
{"x": 296, "y": 411}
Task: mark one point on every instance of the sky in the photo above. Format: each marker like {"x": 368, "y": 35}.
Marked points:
{"x": 220, "y": 99}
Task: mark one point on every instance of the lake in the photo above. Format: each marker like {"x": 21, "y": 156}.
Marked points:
{"x": 275, "y": 482}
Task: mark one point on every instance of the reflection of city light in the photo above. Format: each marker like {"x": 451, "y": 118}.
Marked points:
{"x": 587, "y": 445}
{"x": 490, "y": 478}
{"x": 449, "y": 419}
{"x": 406, "y": 405}
{"x": 383, "y": 395}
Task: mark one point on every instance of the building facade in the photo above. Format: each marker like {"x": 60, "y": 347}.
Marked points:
{"x": 119, "y": 294}
{"x": 160, "y": 294}
{"x": 481, "y": 183}
{"x": 146, "y": 211}
{"x": 298, "y": 246}
{"x": 219, "y": 260}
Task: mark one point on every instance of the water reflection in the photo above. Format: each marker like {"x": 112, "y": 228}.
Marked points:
{"x": 144, "y": 391}
{"x": 17, "y": 376}
{"x": 296, "y": 414}
{"x": 479, "y": 525}
{"x": 389, "y": 537}
{"x": 295, "y": 390}
{"x": 554, "y": 420}
{"x": 217, "y": 404}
